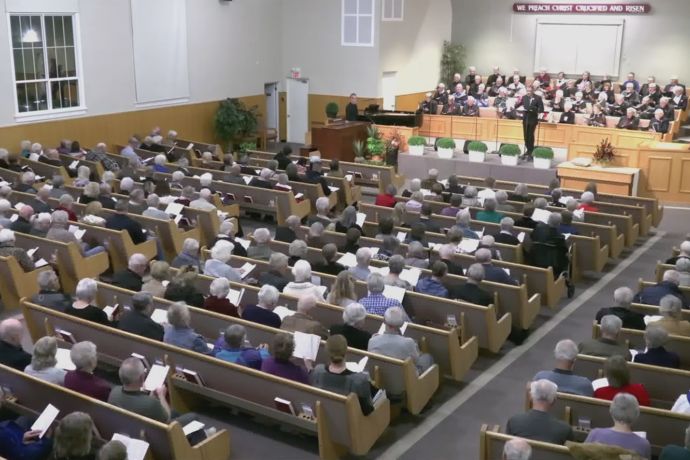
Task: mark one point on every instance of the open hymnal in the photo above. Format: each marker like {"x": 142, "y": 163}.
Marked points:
{"x": 40, "y": 263}
{"x": 73, "y": 165}
{"x": 358, "y": 366}
{"x": 64, "y": 361}
{"x": 400, "y": 236}
{"x": 244, "y": 243}
{"x": 283, "y": 312}
{"x": 361, "y": 217}
{"x": 174, "y": 209}
{"x": 31, "y": 252}
{"x": 235, "y": 296}
{"x": 192, "y": 376}
{"x": 306, "y": 345}
{"x": 76, "y": 231}
{"x": 160, "y": 316}
{"x": 112, "y": 311}
{"x": 136, "y": 448}
{"x": 541, "y": 215}
{"x": 600, "y": 383}
{"x": 394, "y": 292}
{"x": 651, "y": 318}
{"x": 66, "y": 336}
{"x": 333, "y": 189}
{"x": 246, "y": 269}
{"x": 46, "y": 419}
{"x": 564, "y": 200}
{"x": 411, "y": 275}
{"x": 468, "y": 245}
{"x": 156, "y": 377}
{"x": 348, "y": 260}
{"x": 579, "y": 214}
{"x": 247, "y": 179}
{"x": 348, "y": 177}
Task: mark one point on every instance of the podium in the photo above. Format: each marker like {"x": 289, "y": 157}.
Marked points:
{"x": 334, "y": 141}
{"x": 616, "y": 180}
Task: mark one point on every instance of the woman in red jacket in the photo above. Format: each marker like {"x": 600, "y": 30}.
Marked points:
{"x": 618, "y": 376}
{"x": 387, "y": 199}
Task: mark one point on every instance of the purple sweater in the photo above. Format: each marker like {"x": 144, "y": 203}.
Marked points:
{"x": 286, "y": 370}
{"x": 629, "y": 441}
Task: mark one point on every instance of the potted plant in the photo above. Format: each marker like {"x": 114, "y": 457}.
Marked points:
{"x": 416, "y": 144}
{"x": 358, "y": 149}
{"x": 452, "y": 61}
{"x": 605, "y": 153}
{"x": 234, "y": 122}
{"x": 445, "y": 146}
{"x": 332, "y": 110}
{"x": 509, "y": 154}
{"x": 376, "y": 147}
{"x": 542, "y": 157}
{"x": 477, "y": 151}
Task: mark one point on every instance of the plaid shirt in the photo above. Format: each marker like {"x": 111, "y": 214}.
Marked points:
{"x": 377, "y": 304}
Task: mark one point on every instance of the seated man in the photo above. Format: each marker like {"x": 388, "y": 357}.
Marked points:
{"x": 392, "y": 343}
{"x": 262, "y": 312}
{"x": 565, "y": 354}
{"x": 138, "y": 320}
{"x": 189, "y": 256}
{"x": 50, "y": 294}
{"x": 433, "y": 285}
{"x": 301, "y": 321}
{"x": 425, "y": 218}
{"x": 537, "y": 423}
{"x": 608, "y": 344}
{"x": 669, "y": 285}
{"x": 235, "y": 350}
{"x": 623, "y": 297}
{"x": 630, "y": 120}
{"x": 683, "y": 254}
{"x": 131, "y": 278}
{"x": 288, "y": 232}
{"x": 329, "y": 252}
{"x": 396, "y": 264}
{"x": 655, "y": 337}
{"x": 470, "y": 291}
{"x": 659, "y": 123}
{"x": 315, "y": 235}
{"x": 279, "y": 273}
{"x": 491, "y": 272}
{"x": 670, "y": 309}
{"x": 506, "y": 236}
{"x": 445, "y": 254}
{"x": 11, "y": 352}
{"x": 376, "y": 303}
{"x": 431, "y": 179}
{"x": 517, "y": 449}
{"x": 203, "y": 202}
{"x": 463, "y": 221}
{"x": 121, "y": 221}
{"x": 129, "y": 395}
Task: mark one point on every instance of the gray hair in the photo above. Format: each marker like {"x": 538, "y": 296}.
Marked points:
{"x": 220, "y": 287}
{"x": 136, "y": 260}
{"x": 587, "y": 197}
{"x": 226, "y": 227}
{"x": 301, "y": 271}
{"x": 521, "y": 189}
{"x": 222, "y": 251}
{"x": 463, "y": 218}
{"x": 113, "y": 450}
{"x": 476, "y": 273}
{"x": 292, "y": 221}
{"x": 278, "y": 261}
{"x": 655, "y": 336}
{"x": 316, "y": 229}
{"x": 565, "y": 350}
{"x": 235, "y": 335}
{"x": 611, "y": 325}
{"x": 306, "y": 303}
{"x": 153, "y": 200}
{"x": 482, "y": 256}
{"x": 507, "y": 224}
{"x": 44, "y": 352}
{"x": 543, "y": 390}
{"x": 416, "y": 249}
{"x": 65, "y": 199}
{"x": 415, "y": 185}
{"x": 349, "y": 217}
{"x": 190, "y": 246}
{"x": 84, "y": 355}
{"x": 672, "y": 276}
{"x": 394, "y": 317}
{"x": 396, "y": 264}
{"x": 470, "y": 192}
{"x": 670, "y": 305}
{"x": 268, "y": 295}
{"x": 391, "y": 190}
{"x": 363, "y": 257}
{"x": 141, "y": 301}
{"x": 322, "y": 204}
{"x": 127, "y": 183}
{"x": 48, "y": 281}
{"x": 131, "y": 371}
{"x": 375, "y": 283}
{"x": 262, "y": 235}
{"x": 541, "y": 203}
{"x": 624, "y": 408}
{"x": 86, "y": 290}
{"x": 517, "y": 449}
{"x": 683, "y": 265}
{"x": 298, "y": 248}
{"x": 73, "y": 436}
{"x": 179, "y": 315}
{"x": 555, "y": 219}
{"x": 490, "y": 204}
{"x": 623, "y": 296}
{"x": 354, "y": 313}
{"x": 501, "y": 196}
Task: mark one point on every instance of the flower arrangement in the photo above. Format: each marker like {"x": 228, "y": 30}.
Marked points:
{"x": 605, "y": 153}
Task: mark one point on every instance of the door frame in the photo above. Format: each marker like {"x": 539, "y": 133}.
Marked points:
{"x": 287, "y": 106}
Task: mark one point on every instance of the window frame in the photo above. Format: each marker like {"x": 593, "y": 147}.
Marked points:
{"x": 51, "y": 113}
{"x": 385, "y": 18}
{"x": 358, "y": 16}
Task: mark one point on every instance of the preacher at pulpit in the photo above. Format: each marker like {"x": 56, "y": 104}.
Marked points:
{"x": 351, "y": 111}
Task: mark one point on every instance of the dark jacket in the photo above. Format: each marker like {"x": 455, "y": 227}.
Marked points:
{"x": 497, "y": 275}
{"x": 453, "y": 268}
{"x": 256, "y": 314}
{"x": 631, "y": 319}
{"x": 285, "y": 234}
{"x": 659, "y": 357}
{"x": 51, "y": 299}
{"x": 273, "y": 278}
{"x": 124, "y": 222}
{"x": 652, "y": 295}
{"x": 356, "y": 338}
{"x": 138, "y": 323}
{"x": 238, "y": 251}
{"x": 471, "y": 293}
{"x": 14, "y": 357}
{"x": 21, "y": 225}
{"x": 127, "y": 279}
{"x": 506, "y": 238}
{"x": 184, "y": 293}
{"x": 332, "y": 268}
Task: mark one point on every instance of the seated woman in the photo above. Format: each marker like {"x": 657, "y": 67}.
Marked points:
{"x": 84, "y": 355}
{"x": 218, "y": 266}
{"x": 568, "y": 116}
{"x": 656, "y": 355}
{"x": 50, "y": 293}
{"x": 75, "y": 438}
{"x": 279, "y": 363}
{"x": 178, "y": 331}
{"x": 520, "y": 193}
{"x": 347, "y": 220}
{"x": 354, "y": 316}
{"x": 618, "y": 376}
{"x": 597, "y": 118}
{"x": 386, "y": 199}
{"x": 302, "y": 286}
{"x": 43, "y": 362}
{"x": 182, "y": 287}
{"x": 89, "y": 193}
{"x": 414, "y": 204}
{"x": 399, "y": 215}
{"x": 297, "y": 250}
{"x": 160, "y": 277}
{"x": 624, "y": 411}
{"x": 261, "y": 249}
{"x": 218, "y": 300}
{"x": 9, "y": 249}
{"x": 234, "y": 348}
{"x": 83, "y": 306}
{"x": 417, "y": 255}
{"x": 336, "y": 377}
{"x": 343, "y": 290}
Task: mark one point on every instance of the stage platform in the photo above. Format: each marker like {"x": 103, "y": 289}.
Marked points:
{"x": 418, "y": 166}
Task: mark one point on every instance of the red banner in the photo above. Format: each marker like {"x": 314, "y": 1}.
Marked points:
{"x": 582, "y": 8}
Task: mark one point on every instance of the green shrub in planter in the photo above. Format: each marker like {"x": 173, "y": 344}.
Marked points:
{"x": 543, "y": 152}
{"x": 332, "y": 110}
{"x": 416, "y": 140}
{"x": 476, "y": 146}
{"x": 509, "y": 150}
{"x": 445, "y": 143}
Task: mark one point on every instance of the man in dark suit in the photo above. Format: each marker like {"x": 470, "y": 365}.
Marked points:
{"x": 491, "y": 272}
{"x": 630, "y": 120}
{"x": 121, "y": 221}
{"x": 131, "y": 278}
{"x": 445, "y": 254}
{"x": 287, "y": 233}
{"x": 351, "y": 110}
{"x": 263, "y": 181}
{"x": 425, "y": 218}
{"x": 494, "y": 76}
{"x": 656, "y": 354}
{"x": 428, "y": 105}
{"x": 623, "y": 297}
{"x": 11, "y": 352}
{"x": 506, "y": 236}
{"x": 138, "y": 320}
{"x": 315, "y": 176}
{"x": 278, "y": 273}
{"x": 533, "y": 107}
{"x": 329, "y": 266}
{"x": 470, "y": 291}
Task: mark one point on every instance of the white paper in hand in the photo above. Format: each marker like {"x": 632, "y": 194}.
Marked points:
{"x": 394, "y": 292}
{"x": 46, "y": 419}
{"x": 411, "y": 275}
{"x": 468, "y": 245}
{"x": 306, "y": 345}
{"x": 245, "y": 243}
{"x": 247, "y": 179}
{"x": 564, "y": 200}
{"x": 401, "y": 236}
{"x": 64, "y": 361}
{"x": 174, "y": 209}
{"x": 358, "y": 366}
{"x": 283, "y": 312}
{"x": 156, "y": 377}
{"x": 333, "y": 189}
{"x": 541, "y": 215}
{"x": 579, "y": 213}
{"x": 521, "y": 237}
{"x": 136, "y": 448}
{"x": 31, "y": 252}
{"x": 600, "y": 383}
{"x": 246, "y": 269}
{"x": 361, "y": 217}
{"x": 348, "y": 260}
{"x": 651, "y": 319}
{"x": 160, "y": 316}
{"x": 235, "y": 296}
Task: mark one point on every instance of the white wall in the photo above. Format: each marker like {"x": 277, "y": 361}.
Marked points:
{"x": 413, "y": 46}
{"x": 311, "y": 41}
{"x": 653, "y": 44}
{"x": 233, "y": 48}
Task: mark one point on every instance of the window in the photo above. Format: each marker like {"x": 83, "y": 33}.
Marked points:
{"x": 392, "y": 10}
{"x": 47, "y": 73}
{"x": 358, "y": 23}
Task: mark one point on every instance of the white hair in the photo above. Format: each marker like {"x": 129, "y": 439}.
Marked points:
{"x": 136, "y": 260}
{"x": 543, "y": 390}
{"x": 6, "y": 236}
{"x": 517, "y": 449}
{"x": 587, "y": 197}
{"x": 268, "y": 295}
{"x": 565, "y": 350}
{"x": 672, "y": 276}
{"x": 190, "y": 246}
{"x": 86, "y": 290}
{"x": 363, "y": 256}
{"x": 262, "y": 235}
{"x": 127, "y": 183}
{"x": 28, "y": 177}
{"x": 482, "y": 255}
{"x": 222, "y": 251}
{"x": 623, "y": 296}
{"x": 84, "y": 355}
{"x": 226, "y": 227}
{"x": 179, "y": 315}
{"x": 394, "y": 317}
{"x": 301, "y": 271}
{"x": 415, "y": 185}
{"x": 220, "y": 287}
{"x": 354, "y": 313}
{"x": 611, "y": 325}
{"x": 670, "y": 305}
{"x": 205, "y": 179}
{"x": 685, "y": 247}
{"x": 177, "y": 176}
{"x": 322, "y": 204}
{"x": 160, "y": 159}
{"x": 5, "y": 205}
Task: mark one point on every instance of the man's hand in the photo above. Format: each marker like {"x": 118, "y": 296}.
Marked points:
{"x": 31, "y": 436}
{"x": 161, "y": 392}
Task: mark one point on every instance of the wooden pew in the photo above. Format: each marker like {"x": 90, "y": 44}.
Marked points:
{"x": 31, "y": 395}
{"x": 18, "y": 283}
{"x": 95, "y": 166}
{"x": 397, "y": 377}
{"x": 215, "y": 149}
{"x": 340, "y": 424}
{"x": 492, "y": 441}
{"x": 13, "y": 177}
{"x": 45, "y": 170}
{"x": 71, "y": 264}
{"x": 510, "y": 299}
{"x": 663, "y": 427}
{"x": 663, "y": 384}
{"x": 593, "y": 256}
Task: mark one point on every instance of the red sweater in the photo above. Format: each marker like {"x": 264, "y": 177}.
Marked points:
{"x": 636, "y": 389}
{"x": 383, "y": 199}
{"x": 588, "y": 208}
